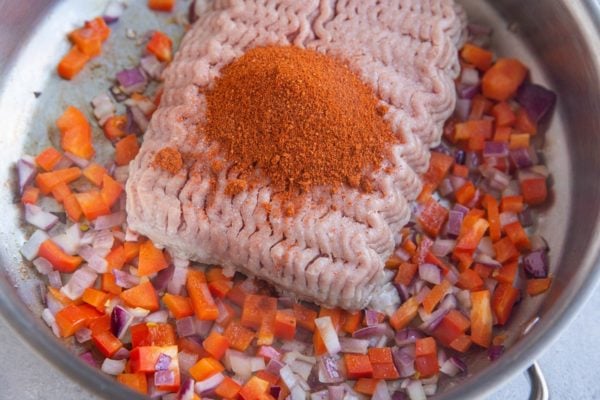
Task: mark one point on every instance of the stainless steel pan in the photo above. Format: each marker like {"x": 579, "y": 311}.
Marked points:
{"x": 559, "y": 39}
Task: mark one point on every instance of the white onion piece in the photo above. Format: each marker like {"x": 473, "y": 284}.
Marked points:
{"x": 80, "y": 162}
{"x": 239, "y": 363}
{"x": 209, "y": 383}
{"x": 103, "y": 108}
{"x": 103, "y": 242}
{"x": 507, "y": 218}
{"x": 297, "y": 393}
{"x": 83, "y": 335}
{"x": 177, "y": 281}
{"x": 81, "y": 279}
{"x": 430, "y": 273}
{"x": 288, "y": 377}
{"x": 69, "y": 240}
{"x": 186, "y": 360}
{"x": 26, "y": 171}
{"x": 113, "y": 367}
{"x": 110, "y": 220}
{"x": 43, "y": 266}
{"x": 49, "y": 204}
{"x": 257, "y": 364}
{"x": 113, "y": 11}
{"x": 54, "y": 279}
{"x": 381, "y": 392}
{"x": 98, "y": 264}
{"x": 352, "y": 345}
{"x": 443, "y": 247}
{"x": 486, "y": 246}
{"x": 32, "y": 246}
{"x": 415, "y": 391}
{"x": 50, "y": 321}
{"x": 158, "y": 317}
{"x": 320, "y": 395}
{"x": 300, "y": 368}
{"x": 329, "y": 335}
{"x": 430, "y": 389}
{"x": 39, "y": 218}
{"x": 449, "y": 368}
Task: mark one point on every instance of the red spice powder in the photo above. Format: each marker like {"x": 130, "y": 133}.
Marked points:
{"x": 169, "y": 159}
{"x": 300, "y": 117}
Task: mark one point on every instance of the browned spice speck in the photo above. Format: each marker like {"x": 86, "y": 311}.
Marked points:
{"x": 235, "y": 186}
{"x": 303, "y": 118}
{"x": 169, "y": 159}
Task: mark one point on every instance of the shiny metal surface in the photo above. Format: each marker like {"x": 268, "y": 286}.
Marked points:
{"x": 539, "y": 387}
{"x": 558, "y": 39}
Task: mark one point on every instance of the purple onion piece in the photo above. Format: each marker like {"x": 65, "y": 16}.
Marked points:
{"x": 110, "y": 220}
{"x": 186, "y": 326}
{"x": 138, "y": 116}
{"x": 353, "y": 345}
{"x": 495, "y": 149}
{"x": 521, "y": 158}
{"x": 186, "y": 390}
{"x": 269, "y": 352}
{"x": 120, "y": 319}
{"x": 454, "y": 223}
{"x": 463, "y": 108}
{"x": 408, "y": 336}
{"x": 88, "y": 358}
{"x": 39, "y": 218}
{"x": 121, "y": 354}
{"x": 274, "y": 366}
{"x": 132, "y": 80}
{"x": 472, "y": 160}
{"x": 404, "y": 360}
{"x": 163, "y": 362}
{"x": 124, "y": 279}
{"x": 536, "y": 264}
{"x": 329, "y": 371}
{"x": 460, "y": 364}
{"x": 164, "y": 377}
{"x": 494, "y": 352}
{"x": 371, "y": 317}
{"x": 536, "y": 100}
{"x": 375, "y": 330}
{"x": 459, "y": 156}
{"x": 398, "y": 395}
{"x": 526, "y": 217}
{"x": 466, "y": 91}
{"x": 403, "y": 291}
{"x": 430, "y": 273}
{"x": 274, "y": 391}
{"x": 192, "y": 16}
{"x": 161, "y": 280}
{"x": 26, "y": 171}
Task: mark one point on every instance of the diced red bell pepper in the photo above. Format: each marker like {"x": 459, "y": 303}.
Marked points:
{"x": 481, "y": 318}
{"x": 358, "y": 366}
{"x": 534, "y": 190}
{"x": 538, "y": 286}
{"x": 432, "y": 217}
{"x": 238, "y": 336}
{"x": 477, "y": 56}
{"x": 216, "y": 345}
{"x": 256, "y": 308}
{"x": 285, "y": 324}
{"x": 60, "y": 260}
{"x": 305, "y": 317}
{"x": 202, "y": 301}
{"x": 151, "y": 259}
{"x": 426, "y": 361}
{"x": 142, "y": 295}
{"x": 161, "y": 46}
{"x": 439, "y": 165}
{"x": 451, "y": 327}
{"x": 137, "y": 381}
{"x": 502, "y": 80}
{"x": 405, "y": 313}
{"x": 48, "y": 158}
{"x": 504, "y": 298}
{"x": 92, "y": 205}
{"x": 106, "y": 343}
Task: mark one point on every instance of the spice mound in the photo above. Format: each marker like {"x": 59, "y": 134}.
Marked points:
{"x": 169, "y": 159}
{"x": 302, "y": 118}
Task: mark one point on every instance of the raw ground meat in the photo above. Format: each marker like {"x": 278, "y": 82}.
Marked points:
{"x": 333, "y": 249}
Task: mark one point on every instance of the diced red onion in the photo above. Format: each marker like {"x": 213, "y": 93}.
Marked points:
{"x": 54, "y": 279}
{"x": 522, "y": 157}
{"x": 26, "y": 172}
{"x": 372, "y": 331}
{"x": 113, "y": 367}
{"x": 404, "y": 360}
{"x": 457, "y": 182}
{"x": 163, "y": 362}
{"x": 490, "y": 284}
{"x": 402, "y": 254}
{"x": 83, "y": 335}
{"x": 463, "y": 108}
{"x": 371, "y": 317}
{"x": 63, "y": 163}
{"x": 152, "y": 67}
{"x": 287, "y": 376}
{"x": 526, "y": 217}
{"x": 209, "y": 383}
{"x": 186, "y": 391}
{"x": 186, "y": 326}
{"x": 408, "y": 336}
{"x": 80, "y": 162}
{"x": 329, "y": 370}
{"x": 381, "y": 392}
{"x": 121, "y": 354}
{"x": 274, "y": 366}
{"x": 320, "y": 395}
{"x": 177, "y": 281}
{"x": 430, "y": 273}
{"x": 454, "y": 223}
{"x": 43, "y": 266}
{"x": 479, "y": 29}
{"x": 145, "y": 105}
{"x": 353, "y": 345}
{"x": 269, "y": 352}
{"x": 98, "y": 264}
{"x": 103, "y": 241}
{"x": 49, "y": 319}
{"x": 88, "y": 358}
{"x": 203, "y": 327}
{"x": 162, "y": 278}
{"x": 240, "y": 363}
{"x": 415, "y": 390}
{"x": 131, "y": 235}
{"x": 39, "y": 218}
{"x": 300, "y": 368}
{"x": 495, "y": 149}
{"x": 443, "y": 247}
{"x": 124, "y": 279}
{"x": 422, "y": 293}
{"x": 158, "y": 317}
{"x": 530, "y": 173}
{"x": 399, "y": 395}
{"x": 494, "y": 352}
{"x": 120, "y": 320}
{"x": 469, "y": 77}
{"x": 162, "y": 378}
{"x": 486, "y": 260}
{"x": 433, "y": 320}
{"x": 81, "y": 279}
{"x": 486, "y": 246}
{"x": 446, "y": 189}
{"x": 507, "y": 218}
{"x": 139, "y": 118}
{"x": 467, "y": 91}
{"x": 132, "y": 80}
{"x": 69, "y": 240}
{"x": 328, "y": 334}
{"x": 536, "y": 100}
{"x": 121, "y": 173}
{"x": 498, "y": 180}
{"x": 186, "y": 360}
{"x": 538, "y": 243}
{"x": 536, "y": 264}
{"x": 103, "y": 108}
{"x": 430, "y": 389}
{"x": 113, "y": 11}
{"x": 110, "y": 220}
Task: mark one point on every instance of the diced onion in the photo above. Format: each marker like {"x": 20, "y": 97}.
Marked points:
{"x": 328, "y": 334}
{"x": 39, "y": 218}
{"x": 415, "y": 391}
{"x": 209, "y": 383}
{"x": 81, "y": 279}
{"x": 113, "y": 367}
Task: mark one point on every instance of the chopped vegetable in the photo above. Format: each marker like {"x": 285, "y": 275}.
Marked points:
{"x": 161, "y": 46}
